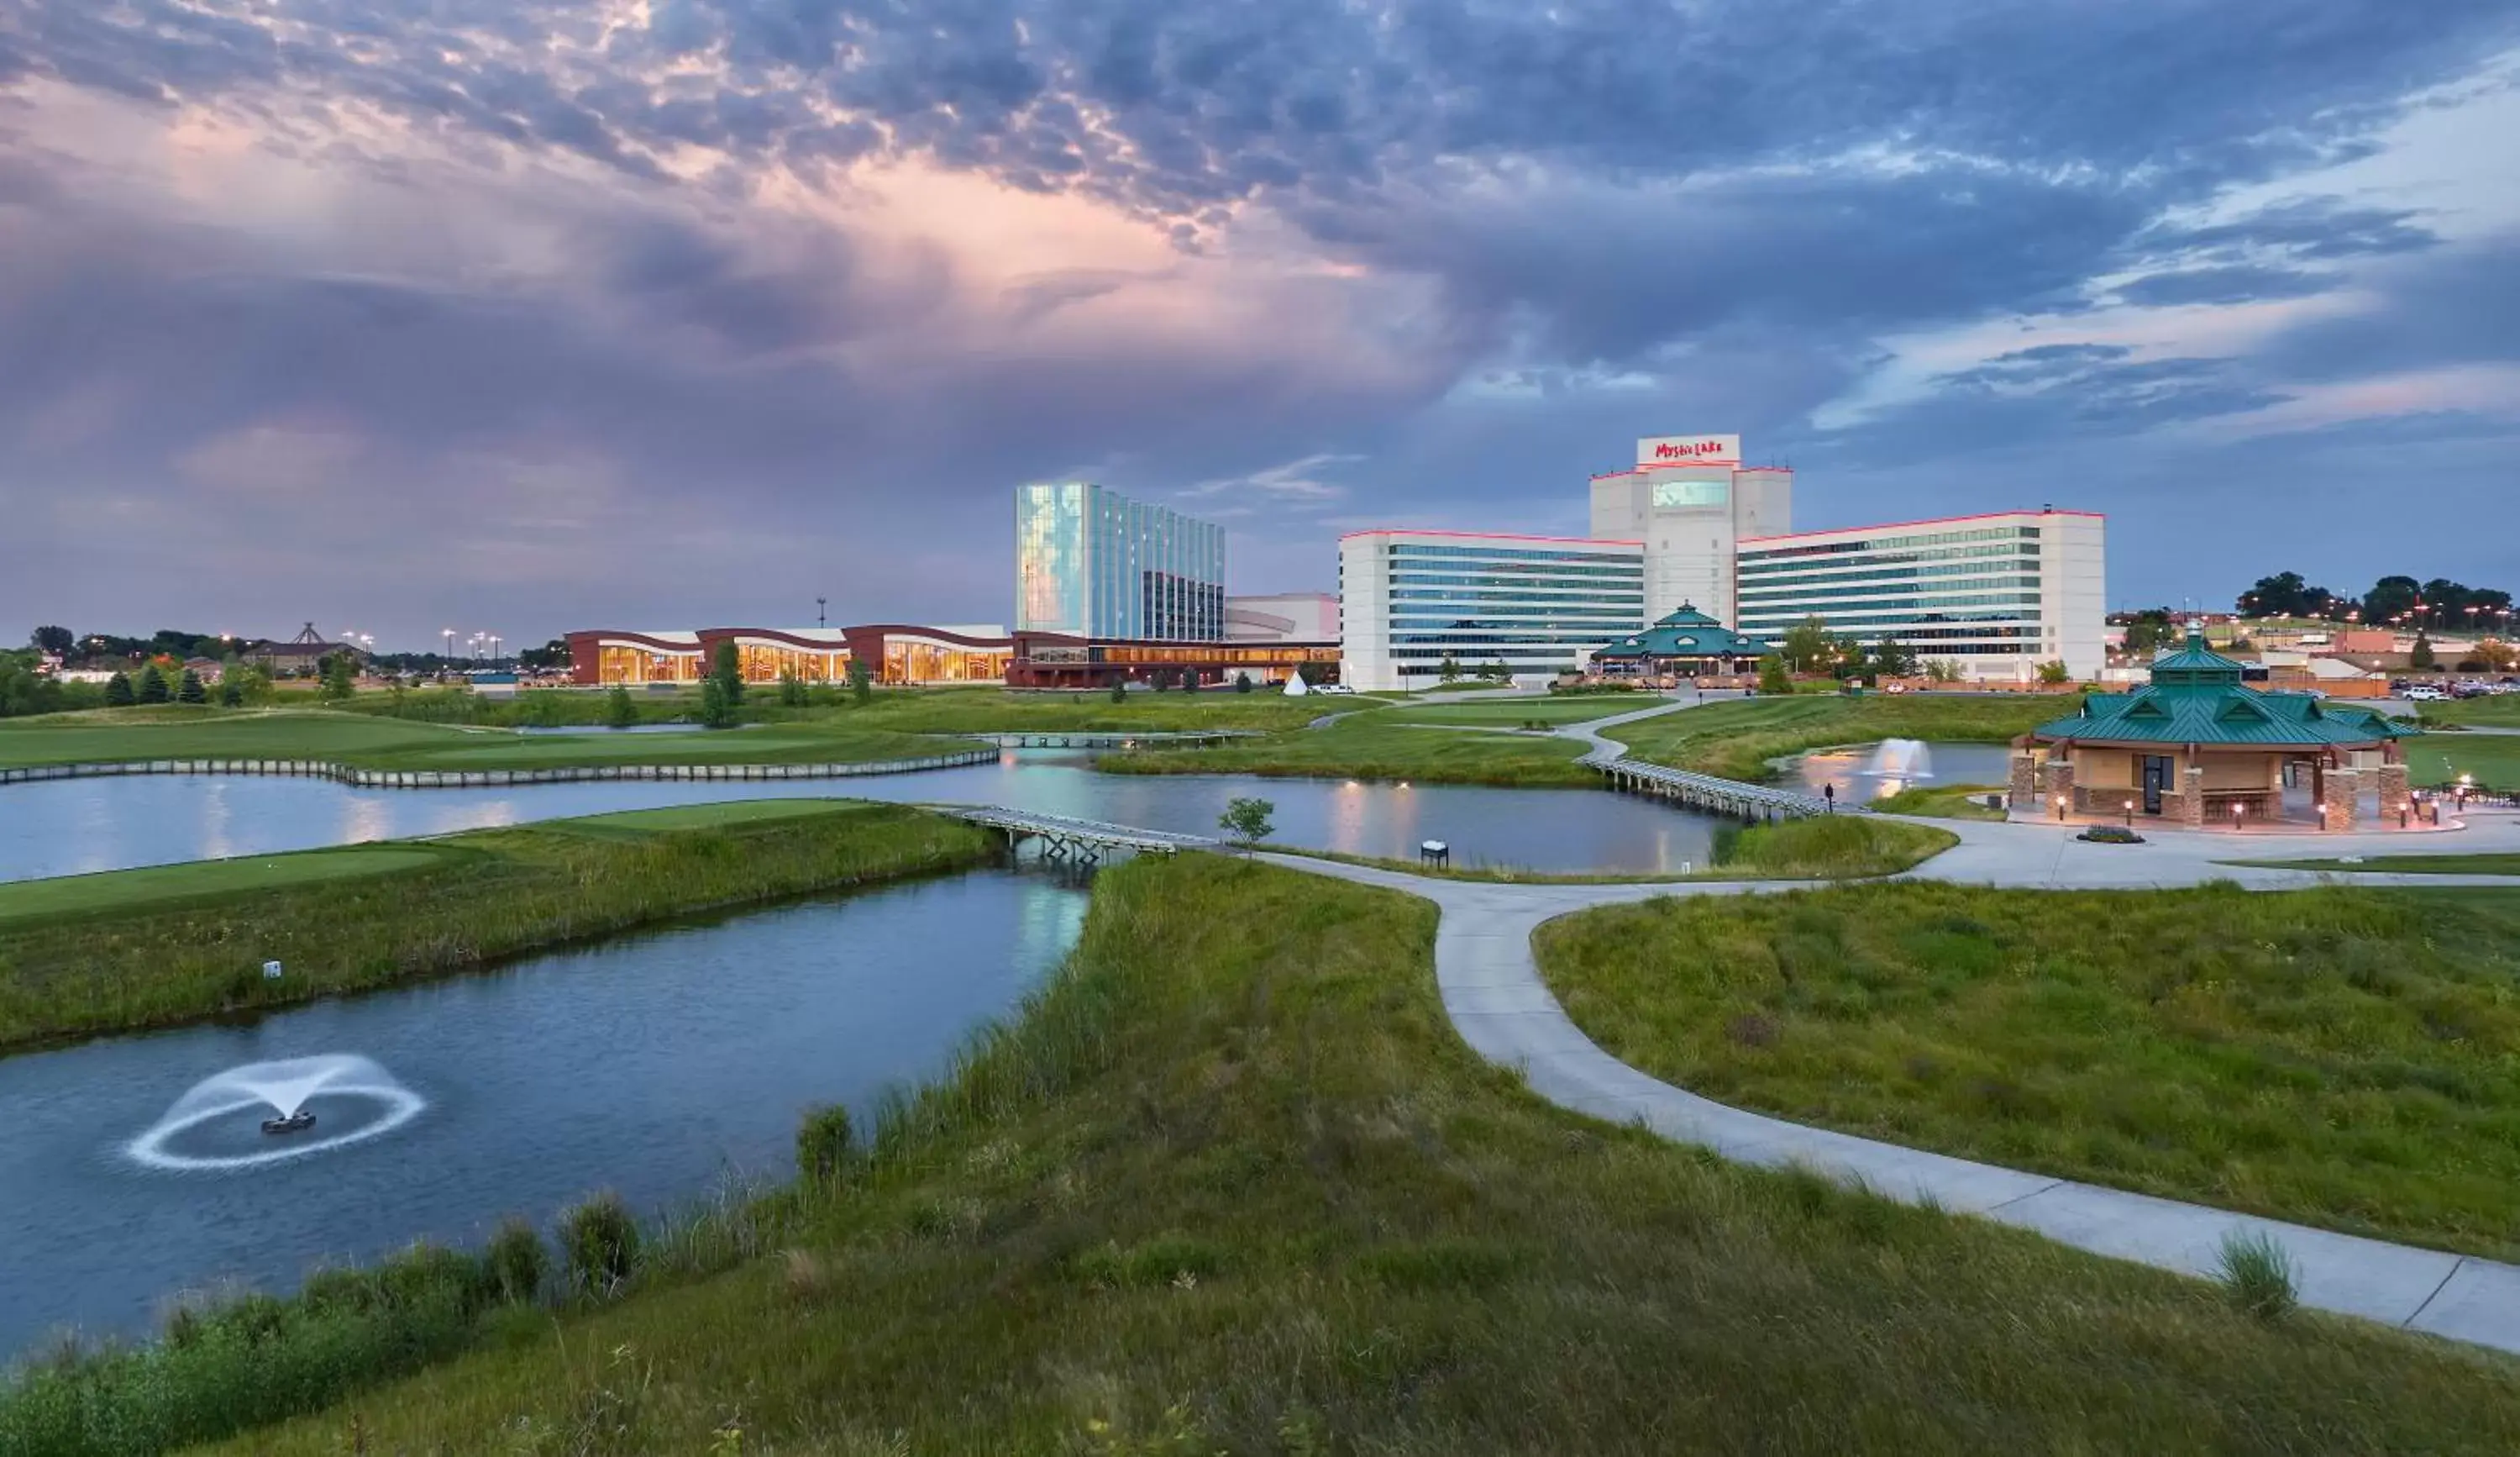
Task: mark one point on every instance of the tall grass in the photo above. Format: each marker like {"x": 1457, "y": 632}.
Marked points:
{"x": 1736, "y": 739}
{"x": 1381, "y": 747}
{"x": 1232, "y": 1183}
{"x": 488, "y": 895}
{"x": 2346, "y": 1058}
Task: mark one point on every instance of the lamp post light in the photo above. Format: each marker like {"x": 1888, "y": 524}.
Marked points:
{"x": 2129, "y": 813}
{"x": 2060, "y": 806}
{"x": 2237, "y": 809}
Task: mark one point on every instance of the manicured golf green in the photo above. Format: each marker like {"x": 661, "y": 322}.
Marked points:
{"x": 1379, "y": 744}
{"x": 122, "y": 891}
{"x": 130, "y": 949}
{"x": 2340, "y": 1057}
{"x": 2492, "y": 761}
{"x": 1515, "y": 711}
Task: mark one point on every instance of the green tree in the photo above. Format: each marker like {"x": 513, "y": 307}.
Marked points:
{"x": 54, "y": 640}
{"x": 618, "y": 711}
{"x": 2148, "y": 632}
{"x": 1497, "y": 672}
{"x": 715, "y": 711}
{"x": 1449, "y": 671}
{"x": 1774, "y": 678}
{"x": 231, "y": 692}
{"x": 2390, "y": 597}
{"x": 1119, "y": 690}
{"x": 1942, "y": 671}
{"x": 792, "y": 691}
{"x": 1242, "y": 682}
{"x": 1847, "y": 658}
{"x": 1893, "y": 658}
{"x": 726, "y": 672}
{"x": 1246, "y": 820}
{"x": 861, "y": 681}
{"x": 1808, "y": 647}
{"x": 2423, "y": 656}
{"x": 118, "y": 691}
{"x": 340, "y": 677}
{"x": 191, "y": 690}
{"x": 2053, "y": 670}
{"x": 153, "y": 685}
{"x": 253, "y": 680}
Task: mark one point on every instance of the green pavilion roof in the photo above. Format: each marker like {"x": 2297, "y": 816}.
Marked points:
{"x": 1686, "y": 633}
{"x": 2196, "y": 697}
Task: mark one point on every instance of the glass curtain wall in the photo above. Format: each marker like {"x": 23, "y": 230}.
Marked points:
{"x": 1093, "y": 563}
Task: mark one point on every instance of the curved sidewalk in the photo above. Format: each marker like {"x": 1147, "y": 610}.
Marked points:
{"x": 1493, "y": 992}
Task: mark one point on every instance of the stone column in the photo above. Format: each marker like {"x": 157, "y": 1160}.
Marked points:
{"x": 2024, "y": 796}
{"x": 2060, "y": 786}
{"x": 2191, "y": 797}
{"x": 2394, "y": 798}
{"x": 2344, "y": 795}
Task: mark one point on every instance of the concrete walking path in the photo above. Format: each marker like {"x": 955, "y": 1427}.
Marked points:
{"x": 1493, "y": 992}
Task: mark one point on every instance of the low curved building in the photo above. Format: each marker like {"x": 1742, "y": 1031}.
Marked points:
{"x": 2197, "y": 746}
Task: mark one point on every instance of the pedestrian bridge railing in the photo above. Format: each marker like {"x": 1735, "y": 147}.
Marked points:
{"x": 1062, "y": 837}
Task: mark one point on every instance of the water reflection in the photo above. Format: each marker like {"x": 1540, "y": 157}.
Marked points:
{"x": 81, "y": 825}
{"x": 1953, "y": 764}
{"x": 654, "y": 1065}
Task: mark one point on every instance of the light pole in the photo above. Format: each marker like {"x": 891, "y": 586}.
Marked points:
{"x": 448, "y": 633}
{"x": 820, "y": 621}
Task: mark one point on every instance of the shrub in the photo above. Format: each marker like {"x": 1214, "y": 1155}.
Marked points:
{"x": 153, "y": 685}
{"x": 823, "y": 1143}
{"x": 602, "y": 1243}
{"x": 427, "y": 1272}
{"x": 2257, "y": 1274}
{"x": 1119, "y": 691}
{"x": 118, "y": 691}
{"x": 618, "y": 711}
{"x": 516, "y": 1261}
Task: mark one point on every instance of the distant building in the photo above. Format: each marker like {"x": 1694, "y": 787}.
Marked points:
{"x": 208, "y": 669}
{"x": 1094, "y": 564}
{"x": 1409, "y": 599}
{"x": 1287, "y": 617}
{"x": 304, "y": 652}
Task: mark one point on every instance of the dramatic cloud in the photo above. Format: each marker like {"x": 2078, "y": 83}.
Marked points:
{"x": 668, "y": 310}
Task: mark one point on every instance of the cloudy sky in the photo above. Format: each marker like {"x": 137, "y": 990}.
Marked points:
{"x": 526, "y": 315}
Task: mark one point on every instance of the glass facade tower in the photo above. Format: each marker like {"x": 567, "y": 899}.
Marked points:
{"x": 1092, "y": 563}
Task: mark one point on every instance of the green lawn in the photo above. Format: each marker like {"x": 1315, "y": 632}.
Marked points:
{"x": 2481, "y": 863}
{"x": 137, "y": 948}
{"x": 2501, "y": 711}
{"x": 1235, "y": 1185}
{"x": 369, "y": 742}
{"x": 1738, "y": 739}
{"x": 121, "y": 891}
{"x": 1514, "y": 712}
{"x": 2344, "y": 1057}
{"x": 1944, "y": 802}
{"x": 2441, "y": 758}
{"x": 1377, "y": 744}
{"x": 1821, "y": 847}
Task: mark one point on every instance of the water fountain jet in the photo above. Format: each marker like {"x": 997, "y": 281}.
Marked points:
{"x": 285, "y": 1087}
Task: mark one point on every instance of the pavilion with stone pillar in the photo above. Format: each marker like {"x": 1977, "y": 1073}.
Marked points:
{"x": 2198, "y": 747}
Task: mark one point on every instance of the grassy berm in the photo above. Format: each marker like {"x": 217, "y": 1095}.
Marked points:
{"x": 1232, "y": 1184}
{"x": 2346, "y": 1057}
{"x": 138, "y": 948}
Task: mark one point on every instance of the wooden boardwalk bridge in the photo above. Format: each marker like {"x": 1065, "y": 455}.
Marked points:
{"x": 1066, "y": 838}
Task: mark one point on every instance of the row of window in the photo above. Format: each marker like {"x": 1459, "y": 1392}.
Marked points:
{"x": 1895, "y": 543}
{"x": 1930, "y": 564}
{"x": 1613, "y": 626}
{"x": 1572, "y": 576}
{"x": 1536, "y": 639}
{"x": 1796, "y": 607}
{"x": 1905, "y": 628}
{"x": 1625, "y": 601}
{"x": 1512, "y": 553}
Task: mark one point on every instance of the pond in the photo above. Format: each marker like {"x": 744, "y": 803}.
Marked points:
{"x": 75, "y": 826}
{"x": 657, "y": 1064}
{"x": 1863, "y": 773}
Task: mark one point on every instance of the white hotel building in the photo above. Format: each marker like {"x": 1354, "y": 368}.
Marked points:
{"x": 1691, "y": 525}
{"x": 1997, "y": 595}
{"x": 1408, "y": 600}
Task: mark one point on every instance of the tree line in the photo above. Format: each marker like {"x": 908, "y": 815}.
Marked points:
{"x": 2392, "y": 600}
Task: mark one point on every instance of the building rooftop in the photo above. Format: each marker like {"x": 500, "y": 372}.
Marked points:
{"x": 1686, "y": 633}
{"x": 2196, "y": 697}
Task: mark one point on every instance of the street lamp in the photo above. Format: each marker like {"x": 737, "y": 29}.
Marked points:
{"x": 2237, "y": 809}
{"x": 2130, "y": 811}
{"x": 2060, "y": 806}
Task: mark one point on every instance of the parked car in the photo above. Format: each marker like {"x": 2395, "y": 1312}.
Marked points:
{"x": 2421, "y": 692}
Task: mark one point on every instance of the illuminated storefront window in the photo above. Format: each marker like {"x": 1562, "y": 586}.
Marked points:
{"x": 635, "y": 664}
{"x": 905, "y": 660}
{"x": 769, "y": 663}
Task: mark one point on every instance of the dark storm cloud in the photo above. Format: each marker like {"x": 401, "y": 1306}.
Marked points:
{"x": 2457, "y": 306}
{"x": 1732, "y": 201}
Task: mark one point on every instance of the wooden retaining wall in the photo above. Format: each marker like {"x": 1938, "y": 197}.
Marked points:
{"x": 478, "y": 779}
